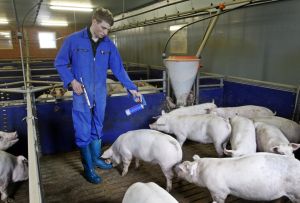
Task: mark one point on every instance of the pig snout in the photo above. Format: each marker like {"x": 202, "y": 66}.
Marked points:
{"x": 13, "y": 136}
{"x": 7, "y": 139}
{"x": 177, "y": 169}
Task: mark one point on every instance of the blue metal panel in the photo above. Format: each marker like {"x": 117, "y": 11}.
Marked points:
{"x": 12, "y": 119}
{"x": 209, "y": 94}
{"x": 55, "y": 127}
{"x": 237, "y": 94}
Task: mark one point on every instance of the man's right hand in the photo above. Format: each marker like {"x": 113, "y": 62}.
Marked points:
{"x": 77, "y": 87}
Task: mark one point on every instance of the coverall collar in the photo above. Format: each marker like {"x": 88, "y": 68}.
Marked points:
{"x": 86, "y": 35}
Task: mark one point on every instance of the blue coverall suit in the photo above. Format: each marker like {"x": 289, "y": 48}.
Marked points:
{"x": 75, "y": 60}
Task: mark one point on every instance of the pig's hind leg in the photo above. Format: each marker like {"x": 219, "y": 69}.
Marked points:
{"x": 294, "y": 198}
{"x": 137, "y": 163}
{"x": 126, "y": 163}
{"x": 218, "y": 197}
{"x": 219, "y": 149}
{"x": 169, "y": 176}
{"x": 181, "y": 139}
{"x": 3, "y": 190}
{"x": 219, "y": 144}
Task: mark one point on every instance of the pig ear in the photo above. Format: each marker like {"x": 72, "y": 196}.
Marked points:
{"x": 213, "y": 101}
{"x": 196, "y": 157}
{"x": 193, "y": 168}
{"x": 161, "y": 121}
{"x": 294, "y": 146}
{"x": 108, "y": 153}
{"x": 163, "y": 112}
{"x": 156, "y": 117}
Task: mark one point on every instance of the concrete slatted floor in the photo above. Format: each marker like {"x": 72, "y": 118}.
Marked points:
{"x": 63, "y": 181}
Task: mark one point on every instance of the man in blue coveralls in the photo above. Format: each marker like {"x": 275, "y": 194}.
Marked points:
{"x": 82, "y": 63}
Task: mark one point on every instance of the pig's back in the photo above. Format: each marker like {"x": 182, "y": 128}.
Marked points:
{"x": 193, "y": 110}
{"x": 152, "y": 145}
{"x": 146, "y": 135}
{"x": 202, "y": 128}
{"x": 248, "y": 111}
{"x": 261, "y": 171}
{"x": 268, "y": 136}
{"x": 140, "y": 193}
{"x": 290, "y": 128}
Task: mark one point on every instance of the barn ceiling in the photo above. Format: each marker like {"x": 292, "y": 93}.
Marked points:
{"x": 34, "y": 13}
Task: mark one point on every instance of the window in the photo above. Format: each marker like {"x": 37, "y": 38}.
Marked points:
{"x": 5, "y": 39}
{"x": 178, "y": 44}
{"x": 114, "y": 39}
{"x": 47, "y": 40}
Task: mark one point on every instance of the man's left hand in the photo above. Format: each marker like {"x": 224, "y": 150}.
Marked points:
{"x": 136, "y": 95}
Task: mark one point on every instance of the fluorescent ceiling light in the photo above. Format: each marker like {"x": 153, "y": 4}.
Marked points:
{"x": 4, "y": 33}
{"x": 176, "y": 27}
{"x": 3, "y": 21}
{"x": 54, "y": 23}
{"x": 65, "y": 8}
{"x": 71, "y": 6}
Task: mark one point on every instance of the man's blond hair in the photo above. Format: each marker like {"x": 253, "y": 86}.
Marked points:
{"x": 102, "y": 14}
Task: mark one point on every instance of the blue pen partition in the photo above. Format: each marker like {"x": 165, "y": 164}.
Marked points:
{"x": 55, "y": 127}
{"x": 280, "y": 101}
{"x": 55, "y": 118}
{"x": 211, "y": 94}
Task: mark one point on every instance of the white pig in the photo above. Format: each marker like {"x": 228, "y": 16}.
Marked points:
{"x": 248, "y": 111}
{"x": 242, "y": 140}
{"x": 290, "y": 128}
{"x": 257, "y": 177}
{"x": 57, "y": 92}
{"x": 270, "y": 139}
{"x": 12, "y": 169}
{"x": 7, "y": 139}
{"x": 147, "y": 145}
{"x": 114, "y": 87}
{"x": 147, "y": 193}
{"x": 191, "y": 110}
{"x": 68, "y": 94}
{"x": 205, "y": 129}
{"x": 45, "y": 96}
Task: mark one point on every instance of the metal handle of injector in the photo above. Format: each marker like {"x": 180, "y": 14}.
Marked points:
{"x": 85, "y": 94}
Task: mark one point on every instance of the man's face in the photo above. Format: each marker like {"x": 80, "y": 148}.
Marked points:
{"x": 101, "y": 29}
